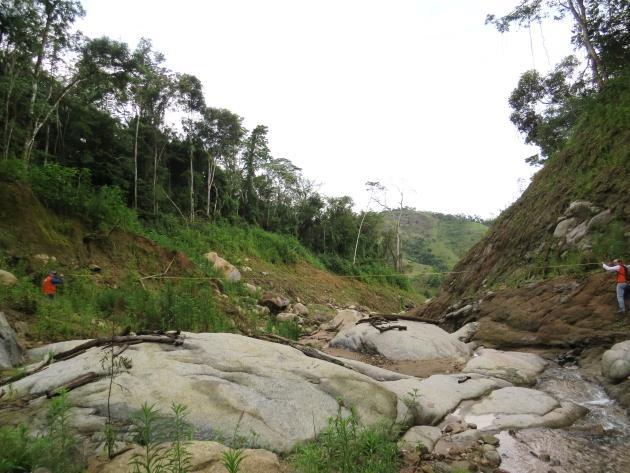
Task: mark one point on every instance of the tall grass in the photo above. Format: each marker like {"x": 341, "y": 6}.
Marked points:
{"x": 347, "y": 447}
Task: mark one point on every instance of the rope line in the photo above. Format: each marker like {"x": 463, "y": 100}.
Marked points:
{"x": 352, "y": 276}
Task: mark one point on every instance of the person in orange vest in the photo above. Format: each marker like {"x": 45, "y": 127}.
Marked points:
{"x": 622, "y": 281}
{"x": 49, "y": 286}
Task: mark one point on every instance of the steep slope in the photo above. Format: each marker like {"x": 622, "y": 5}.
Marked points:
{"x": 536, "y": 275}
{"x": 110, "y": 275}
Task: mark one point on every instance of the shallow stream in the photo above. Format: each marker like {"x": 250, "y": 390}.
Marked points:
{"x": 597, "y": 443}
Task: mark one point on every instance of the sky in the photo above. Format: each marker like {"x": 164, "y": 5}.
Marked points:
{"x": 410, "y": 93}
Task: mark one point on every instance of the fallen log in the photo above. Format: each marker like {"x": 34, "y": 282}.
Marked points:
{"x": 395, "y": 317}
{"x": 117, "y": 340}
{"x": 73, "y": 384}
{"x": 29, "y": 370}
{"x": 308, "y": 351}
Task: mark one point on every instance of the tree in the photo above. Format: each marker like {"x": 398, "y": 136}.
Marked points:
{"x": 220, "y": 131}
{"x": 190, "y": 95}
{"x": 543, "y": 105}
{"x": 51, "y": 22}
{"x": 255, "y": 156}
{"x": 373, "y": 187}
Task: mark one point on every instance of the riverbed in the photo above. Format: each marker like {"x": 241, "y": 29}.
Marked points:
{"x": 597, "y": 443}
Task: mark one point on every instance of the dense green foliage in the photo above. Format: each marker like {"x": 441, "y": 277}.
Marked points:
{"x": 347, "y": 447}
{"x": 546, "y": 107}
{"x": 102, "y": 119}
{"x": 56, "y": 450}
{"x": 83, "y": 305}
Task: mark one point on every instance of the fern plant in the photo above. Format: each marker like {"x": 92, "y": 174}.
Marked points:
{"x": 147, "y": 430}
{"x": 231, "y": 459}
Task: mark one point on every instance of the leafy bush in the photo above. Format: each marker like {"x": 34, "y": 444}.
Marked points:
{"x": 13, "y": 170}
{"x": 55, "y": 451}
{"x": 287, "y": 329}
{"x": 19, "y": 451}
{"x": 106, "y": 206}
{"x": 64, "y": 189}
{"x": 369, "y": 271}
{"x": 346, "y": 447}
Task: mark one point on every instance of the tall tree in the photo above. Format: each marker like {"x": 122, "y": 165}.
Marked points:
{"x": 52, "y": 20}
{"x": 255, "y": 155}
{"x": 190, "y": 95}
{"x": 373, "y": 187}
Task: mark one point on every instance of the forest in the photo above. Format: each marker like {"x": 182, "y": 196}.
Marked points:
{"x": 97, "y": 127}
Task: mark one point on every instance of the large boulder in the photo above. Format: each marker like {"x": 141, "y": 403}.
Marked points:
{"x": 521, "y": 408}
{"x": 429, "y": 400}
{"x": 274, "y": 302}
{"x": 515, "y": 367}
{"x": 616, "y": 362}
{"x": 344, "y": 320}
{"x": 420, "y": 435}
{"x": 225, "y": 380}
{"x": 466, "y": 332}
{"x": 224, "y": 267}
{"x": 205, "y": 458}
{"x": 11, "y": 353}
{"x": 419, "y": 341}
{"x": 515, "y": 400}
{"x": 7, "y": 279}
{"x": 300, "y": 309}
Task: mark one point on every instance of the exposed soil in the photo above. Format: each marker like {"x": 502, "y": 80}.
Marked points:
{"x": 563, "y": 312}
{"x": 420, "y": 369}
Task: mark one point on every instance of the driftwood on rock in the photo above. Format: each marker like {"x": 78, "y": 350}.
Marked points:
{"x": 395, "y": 317}
{"x": 73, "y": 384}
{"x": 118, "y": 340}
{"x": 29, "y": 370}
{"x": 308, "y": 351}
{"x": 381, "y": 323}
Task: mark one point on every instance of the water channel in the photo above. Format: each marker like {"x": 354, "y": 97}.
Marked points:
{"x": 597, "y": 443}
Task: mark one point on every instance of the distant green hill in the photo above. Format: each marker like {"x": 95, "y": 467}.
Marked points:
{"x": 436, "y": 240}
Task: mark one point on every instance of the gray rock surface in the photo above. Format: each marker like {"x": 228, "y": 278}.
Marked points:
{"x": 228, "y": 270}
{"x": 38, "y": 353}
{"x": 438, "y": 395}
{"x": 344, "y": 320}
{"x": 300, "y": 309}
{"x": 424, "y": 434}
{"x": 467, "y": 332}
{"x": 521, "y": 408}
{"x": 512, "y": 366}
{"x": 515, "y": 400}
{"x": 11, "y": 353}
{"x": 286, "y": 316}
{"x": 7, "y": 278}
{"x": 419, "y": 342}
{"x": 564, "y": 227}
{"x": 281, "y": 394}
{"x": 274, "y": 302}
{"x": 616, "y": 362}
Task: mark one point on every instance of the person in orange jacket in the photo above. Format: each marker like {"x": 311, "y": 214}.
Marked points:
{"x": 49, "y": 286}
{"x": 622, "y": 281}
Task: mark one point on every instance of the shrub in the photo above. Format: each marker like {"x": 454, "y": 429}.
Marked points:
{"x": 55, "y": 451}
{"x": 346, "y": 447}
{"x": 287, "y": 329}
{"x": 13, "y": 170}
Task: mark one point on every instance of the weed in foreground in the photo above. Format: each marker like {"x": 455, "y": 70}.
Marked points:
{"x": 347, "y": 447}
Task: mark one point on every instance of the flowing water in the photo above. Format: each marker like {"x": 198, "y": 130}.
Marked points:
{"x": 597, "y": 443}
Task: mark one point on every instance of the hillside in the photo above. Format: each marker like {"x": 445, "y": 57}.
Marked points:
{"x": 109, "y": 274}
{"x": 435, "y": 239}
{"x": 536, "y": 277}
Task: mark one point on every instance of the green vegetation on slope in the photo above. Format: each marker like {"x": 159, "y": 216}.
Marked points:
{"x": 593, "y": 167}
